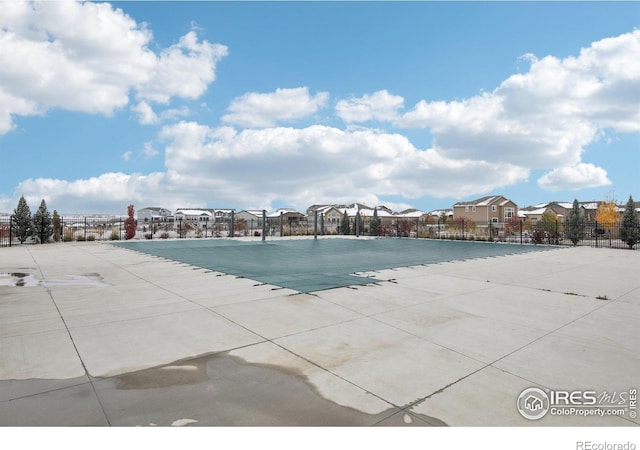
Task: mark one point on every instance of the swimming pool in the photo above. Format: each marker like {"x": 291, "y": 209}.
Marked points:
{"x": 309, "y": 265}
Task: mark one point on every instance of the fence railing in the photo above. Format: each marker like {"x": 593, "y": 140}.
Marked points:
{"x": 518, "y": 231}
{"x": 65, "y": 230}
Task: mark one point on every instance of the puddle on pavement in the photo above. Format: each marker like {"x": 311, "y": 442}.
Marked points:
{"x": 192, "y": 372}
{"x": 18, "y": 279}
{"x": 23, "y": 279}
{"x": 225, "y": 390}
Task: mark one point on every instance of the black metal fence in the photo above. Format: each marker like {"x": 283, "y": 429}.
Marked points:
{"x": 518, "y": 231}
{"x": 65, "y": 229}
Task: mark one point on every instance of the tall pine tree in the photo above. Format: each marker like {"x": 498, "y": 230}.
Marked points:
{"x": 575, "y": 224}
{"x": 374, "y": 226}
{"x": 42, "y": 223}
{"x": 21, "y": 221}
{"x": 630, "y": 227}
{"x": 57, "y": 226}
{"x": 345, "y": 225}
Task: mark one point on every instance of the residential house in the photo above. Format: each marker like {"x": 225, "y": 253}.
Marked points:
{"x": 154, "y": 214}
{"x": 197, "y": 218}
{"x": 252, "y": 217}
{"x": 535, "y": 212}
{"x": 330, "y": 216}
{"x": 221, "y": 215}
{"x": 496, "y": 209}
{"x": 288, "y": 215}
{"x": 439, "y": 214}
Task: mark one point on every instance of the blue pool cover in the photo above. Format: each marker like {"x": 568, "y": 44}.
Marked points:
{"x": 309, "y": 265}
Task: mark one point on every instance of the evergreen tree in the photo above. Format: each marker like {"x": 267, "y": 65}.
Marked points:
{"x": 345, "y": 226}
{"x": 21, "y": 219}
{"x": 630, "y": 227}
{"x": 42, "y": 223}
{"x": 575, "y": 224}
{"x": 57, "y": 226}
{"x": 374, "y": 226}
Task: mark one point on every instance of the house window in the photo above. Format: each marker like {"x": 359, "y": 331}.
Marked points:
{"x": 473, "y": 209}
{"x": 494, "y": 220}
{"x": 509, "y": 213}
{"x": 466, "y": 209}
{"x": 494, "y": 208}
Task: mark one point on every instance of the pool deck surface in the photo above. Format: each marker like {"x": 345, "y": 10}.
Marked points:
{"x": 102, "y": 336}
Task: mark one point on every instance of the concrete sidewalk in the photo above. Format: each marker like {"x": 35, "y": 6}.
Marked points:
{"x": 91, "y": 334}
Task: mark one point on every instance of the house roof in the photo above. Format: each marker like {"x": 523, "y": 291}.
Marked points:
{"x": 154, "y": 208}
{"x": 411, "y": 213}
{"x": 484, "y": 201}
{"x": 194, "y": 212}
{"x": 253, "y": 212}
{"x": 439, "y": 212}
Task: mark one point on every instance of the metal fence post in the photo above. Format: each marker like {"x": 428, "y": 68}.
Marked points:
{"x": 315, "y": 224}
{"x": 463, "y": 229}
{"x": 596, "y": 231}
{"x": 281, "y": 224}
{"x": 233, "y": 219}
{"x": 520, "y": 231}
{"x": 10, "y": 230}
{"x": 264, "y": 224}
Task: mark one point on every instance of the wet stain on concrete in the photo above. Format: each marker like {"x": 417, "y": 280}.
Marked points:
{"x": 189, "y": 373}
{"x": 17, "y": 279}
{"x": 210, "y": 390}
{"x": 23, "y": 279}
{"x": 224, "y": 390}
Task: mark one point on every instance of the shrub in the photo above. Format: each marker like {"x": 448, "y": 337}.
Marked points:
{"x": 164, "y": 235}
{"x": 91, "y": 238}
{"x": 115, "y": 236}
{"x": 148, "y": 236}
{"x": 80, "y": 238}
{"x": 130, "y": 224}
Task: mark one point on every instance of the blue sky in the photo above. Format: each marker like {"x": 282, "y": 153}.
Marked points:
{"x": 287, "y": 104}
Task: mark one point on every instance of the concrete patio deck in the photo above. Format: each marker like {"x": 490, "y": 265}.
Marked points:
{"x": 104, "y": 336}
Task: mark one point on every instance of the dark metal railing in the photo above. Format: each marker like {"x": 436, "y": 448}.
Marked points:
{"x": 517, "y": 231}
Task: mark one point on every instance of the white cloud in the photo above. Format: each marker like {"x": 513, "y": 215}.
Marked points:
{"x": 580, "y": 176}
{"x": 545, "y": 117}
{"x": 147, "y": 116}
{"x": 255, "y": 168}
{"x": 183, "y": 70}
{"x": 88, "y": 57}
{"x": 380, "y": 105}
{"x": 127, "y": 155}
{"x": 148, "y": 151}
{"x": 145, "y": 113}
{"x": 256, "y": 110}
{"x": 541, "y": 119}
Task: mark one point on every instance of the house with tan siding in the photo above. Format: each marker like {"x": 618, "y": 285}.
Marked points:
{"x": 494, "y": 209}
